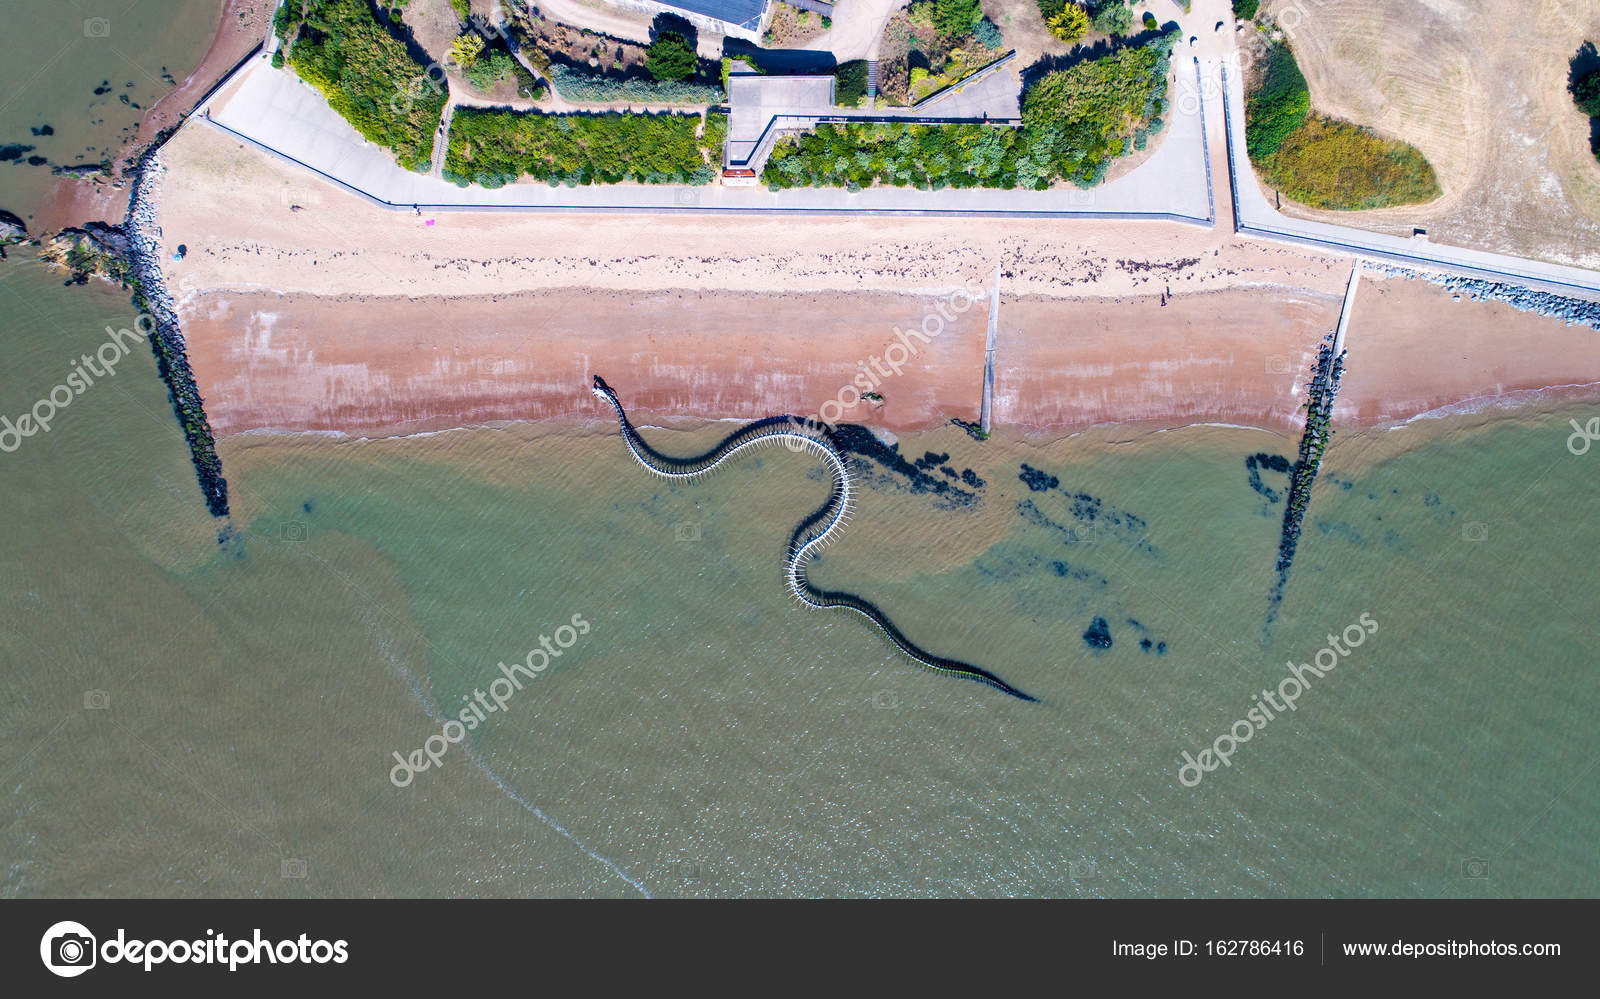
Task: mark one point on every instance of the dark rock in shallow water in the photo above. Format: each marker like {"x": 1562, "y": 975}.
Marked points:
{"x": 1099, "y": 634}
{"x": 12, "y": 228}
{"x": 43, "y": 130}
{"x": 1036, "y": 480}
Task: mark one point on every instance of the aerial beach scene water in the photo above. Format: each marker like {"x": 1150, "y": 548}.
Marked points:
{"x": 469, "y": 515}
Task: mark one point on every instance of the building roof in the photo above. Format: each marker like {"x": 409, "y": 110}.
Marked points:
{"x": 744, "y": 13}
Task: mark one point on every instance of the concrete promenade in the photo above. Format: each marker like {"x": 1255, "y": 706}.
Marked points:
{"x": 274, "y": 111}
{"x": 1255, "y": 217}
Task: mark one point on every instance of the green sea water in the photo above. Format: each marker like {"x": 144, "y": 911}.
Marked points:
{"x": 708, "y": 735}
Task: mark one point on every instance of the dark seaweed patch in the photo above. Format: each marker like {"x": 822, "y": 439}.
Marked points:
{"x": 1099, "y": 634}
{"x": 1036, "y": 480}
{"x": 1255, "y": 463}
{"x": 858, "y": 440}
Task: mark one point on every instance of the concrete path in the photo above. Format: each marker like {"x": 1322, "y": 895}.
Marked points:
{"x": 1256, "y": 218}
{"x": 274, "y": 111}
{"x": 857, "y": 29}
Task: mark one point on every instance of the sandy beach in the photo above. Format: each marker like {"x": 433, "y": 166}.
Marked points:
{"x": 306, "y": 309}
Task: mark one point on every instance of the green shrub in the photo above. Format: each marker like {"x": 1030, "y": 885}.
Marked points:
{"x": 671, "y": 58}
{"x": 1050, "y": 8}
{"x": 1069, "y": 25}
{"x": 1149, "y": 21}
{"x": 1328, "y": 163}
{"x": 463, "y": 8}
{"x": 955, "y": 18}
{"x": 988, "y": 34}
{"x": 850, "y": 83}
{"x": 1245, "y": 10}
{"x": 590, "y": 88}
{"x": 1075, "y": 121}
{"x": 284, "y": 18}
{"x": 496, "y": 66}
{"x": 1586, "y": 93}
{"x": 713, "y": 136}
{"x": 367, "y": 76}
{"x": 1114, "y": 17}
{"x": 1278, "y": 105}
{"x": 492, "y": 146}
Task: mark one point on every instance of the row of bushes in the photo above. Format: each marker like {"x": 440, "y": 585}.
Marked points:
{"x": 494, "y": 146}
{"x": 367, "y": 75}
{"x": 589, "y": 88}
{"x": 1074, "y": 122}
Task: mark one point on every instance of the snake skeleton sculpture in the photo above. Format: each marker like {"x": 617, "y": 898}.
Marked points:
{"x": 812, "y": 534}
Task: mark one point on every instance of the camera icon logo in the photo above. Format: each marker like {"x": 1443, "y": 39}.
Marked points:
{"x": 96, "y": 700}
{"x": 1277, "y": 364}
{"x": 68, "y": 949}
{"x": 292, "y": 867}
{"x": 886, "y": 700}
{"x": 1475, "y": 530}
{"x": 1080, "y": 198}
{"x": 687, "y": 196}
{"x": 687, "y": 532}
{"x": 97, "y": 27}
{"x": 294, "y": 530}
{"x": 1474, "y": 867}
{"x": 687, "y": 871}
{"x": 1083, "y": 869}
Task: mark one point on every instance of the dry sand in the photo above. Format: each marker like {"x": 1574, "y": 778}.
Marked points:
{"x": 307, "y": 309}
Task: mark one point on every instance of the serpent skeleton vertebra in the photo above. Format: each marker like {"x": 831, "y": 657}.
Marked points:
{"x": 812, "y": 534}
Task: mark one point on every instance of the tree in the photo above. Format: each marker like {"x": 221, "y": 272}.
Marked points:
{"x": 1586, "y": 92}
{"x": 671, "y": 57}
{"x": 955, "y": 18}
{"x": 466, "y": 49}
{"x": 1071, "y": 24}
{"x": 1245, "y": 10}
{"x": 1114, "y": 17}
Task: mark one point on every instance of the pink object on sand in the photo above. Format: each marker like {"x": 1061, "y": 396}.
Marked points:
{"x": 429, "y": 222}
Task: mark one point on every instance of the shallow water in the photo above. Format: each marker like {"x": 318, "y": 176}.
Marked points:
{"x": 85, "y": 72}
{"x": 711, "y": 736}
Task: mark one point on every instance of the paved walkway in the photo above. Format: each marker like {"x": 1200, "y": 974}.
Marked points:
{"x": 273, "y": 111}
{"x": 1255, "y": 217}
{"x": 1198, "y": 174}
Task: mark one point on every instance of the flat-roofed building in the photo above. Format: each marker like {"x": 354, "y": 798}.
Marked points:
{"x": 739, "y": 18}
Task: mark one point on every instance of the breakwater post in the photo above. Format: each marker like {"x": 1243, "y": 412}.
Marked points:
{"x": 166, "y": 339}
{"x": 1321, "y": 389}
{"x": 986, "y": 410}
